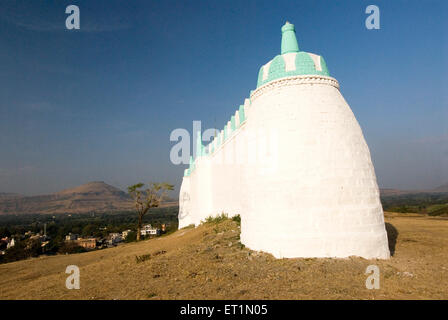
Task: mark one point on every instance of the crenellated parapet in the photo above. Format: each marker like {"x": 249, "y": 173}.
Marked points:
{"x": 237, "y": 120}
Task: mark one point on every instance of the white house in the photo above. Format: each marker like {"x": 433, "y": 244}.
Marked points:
{"x": 11, "y": 243}
{"x": 115, "y": 238}
{"x": 125, "y": 233}
{"x": 149, "y": 230}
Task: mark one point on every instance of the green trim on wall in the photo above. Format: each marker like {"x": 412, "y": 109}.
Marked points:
{"x": 241, "y": 114}
{"x": 199, "y": 146}
{"x": 191, "y": 168}
{"x": 260, "y": 76}
{"x": 304, "y": 64}
{"x": 277, "y": 68}
{"x": 218, "y": 142}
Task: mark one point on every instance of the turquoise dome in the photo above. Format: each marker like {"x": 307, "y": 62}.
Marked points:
{"x": 291, "y": 61}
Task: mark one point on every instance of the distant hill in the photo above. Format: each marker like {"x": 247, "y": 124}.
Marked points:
{"x": 433, "y": 202}
{"x": 91, "y": 197}
{"x": 8, "y": 195}
{"x": 442, "y": 188}
{"x": 386, "y": 192}
{"x": 391, "y": 192}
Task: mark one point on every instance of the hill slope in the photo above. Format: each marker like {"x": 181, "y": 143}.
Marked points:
{"x": 387, "y": 192}
{"x": 442, "y": 188}
{"x": 208, "y": 263}
{"x": 94, "y": 196}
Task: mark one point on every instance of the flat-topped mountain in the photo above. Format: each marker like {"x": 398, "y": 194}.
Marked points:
{"x": 91, "y": 197}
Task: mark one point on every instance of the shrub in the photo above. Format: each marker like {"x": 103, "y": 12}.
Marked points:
{"x": 71, "y": 247}
{"x": 237, "y": 219}
{"x": 217, "y": 219}
{"x": 131, "y": 237}
{"x": 142, "y": 258}
{"x": 22, "y": 250}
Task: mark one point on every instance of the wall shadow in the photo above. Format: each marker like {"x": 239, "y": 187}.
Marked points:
{"x": 392, "y": 235}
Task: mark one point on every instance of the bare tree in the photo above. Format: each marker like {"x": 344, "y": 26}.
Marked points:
{"x": 146, "y": 199}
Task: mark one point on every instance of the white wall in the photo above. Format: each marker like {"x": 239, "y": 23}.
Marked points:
{"x": 300, "y": 166}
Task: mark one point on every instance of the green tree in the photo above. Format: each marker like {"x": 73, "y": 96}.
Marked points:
{"x": 132, "y": 236}
{"x": 148, "y": 198}
{"x": 4, "y": 232}
{"x": 88, "y": 230}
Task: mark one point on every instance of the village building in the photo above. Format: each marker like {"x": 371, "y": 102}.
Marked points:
{"x": 11, "y": 243}
{"x": 125, "y": 234}
{"x": 71, "y": 237}
{"x": 149, "y": 230}
{"x": 114, "y": 238}
{"x": 5, "y": 244}
{"x": 87, "y": 243}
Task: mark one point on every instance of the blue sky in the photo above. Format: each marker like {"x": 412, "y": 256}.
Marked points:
{"x": 99, "y": 103}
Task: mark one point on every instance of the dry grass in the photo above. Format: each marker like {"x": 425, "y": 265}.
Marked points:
{"x": 209, "y": 263}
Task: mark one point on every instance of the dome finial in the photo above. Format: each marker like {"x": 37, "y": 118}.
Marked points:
{"x": 289, "y": 40}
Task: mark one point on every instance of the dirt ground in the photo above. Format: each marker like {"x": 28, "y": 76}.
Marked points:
{"x": 209, "y": 263}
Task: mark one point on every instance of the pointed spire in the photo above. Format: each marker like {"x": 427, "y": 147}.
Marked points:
{"x": 289, "y": 40}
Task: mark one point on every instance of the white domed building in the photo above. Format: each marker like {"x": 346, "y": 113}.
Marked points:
{"x": 293, "y": 163}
